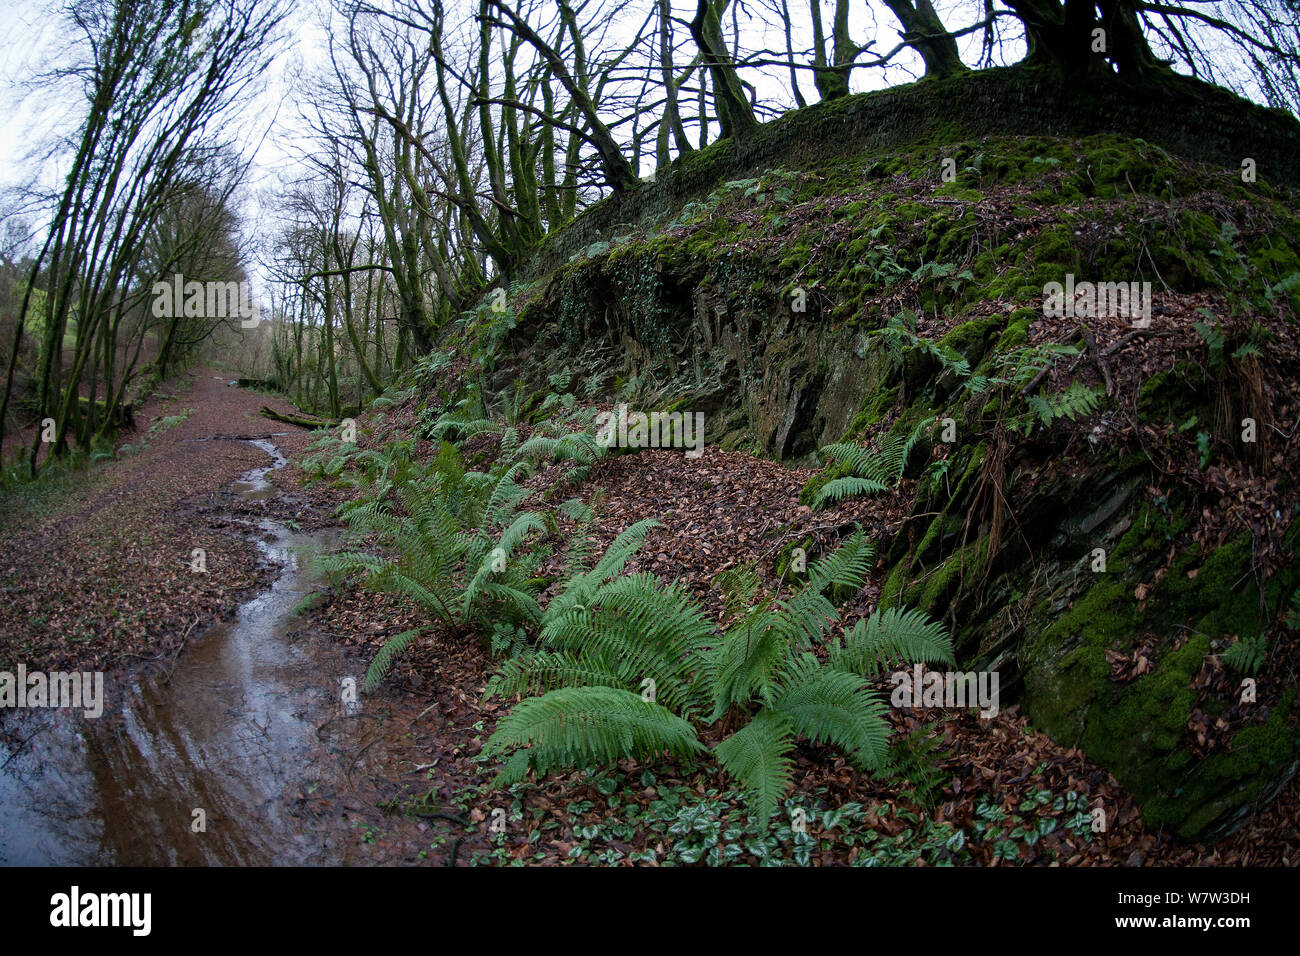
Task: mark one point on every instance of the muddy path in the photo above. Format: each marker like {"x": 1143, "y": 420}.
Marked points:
{"x": 235, "y": 743}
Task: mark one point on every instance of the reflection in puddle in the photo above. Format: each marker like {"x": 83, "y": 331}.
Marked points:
{"x": 253, "y": 485}
{"x": 232, "y": 732}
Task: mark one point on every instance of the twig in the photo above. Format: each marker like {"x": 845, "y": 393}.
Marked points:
{"x": 176, "y": 656}
{"x": 807, "y": 531}
{"x": 1127, "y": 337}
{"x": 1091, "y": 342}
{"x": 1037, "y": 380}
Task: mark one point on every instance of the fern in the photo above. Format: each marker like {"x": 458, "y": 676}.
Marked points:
{"x": 745, "y": 663}
{"x": 916, "y": 759}
{"x": 453, "y": 544}
{"x": 587, "y": 726}
{"x": 895, "y": 635}
{"x": 650, "y": 631}
{"x": 900, "y": 340}
{"x": 757, "y": 757}
{"x": 846, "y": 566}
{"x": 830, "y": 706}
{"x": 393, "y": 648}
{"x": 542, "y": 671}
{"x": 1022, "y": 365}
{"x": 739, "y": 586}
{"x": 450, "y": 428}
{"x": 1247, "y": 655}
{"x": 837, "y": 489}
{"x": 604, "y": 635}
{"x": 582, "y": 586}
{"x": 1077, "y": 400}
{"x": 869, "y": 472}
{"x": 581, "y": 447}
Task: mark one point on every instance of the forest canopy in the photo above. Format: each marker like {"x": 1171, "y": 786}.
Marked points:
{"x": 437, "y": 146}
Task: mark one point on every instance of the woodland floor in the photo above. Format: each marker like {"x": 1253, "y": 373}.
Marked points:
{"x": 97, "y": 577}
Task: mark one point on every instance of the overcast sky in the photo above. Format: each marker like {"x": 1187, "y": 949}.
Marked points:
{"x": 33, "y": 38}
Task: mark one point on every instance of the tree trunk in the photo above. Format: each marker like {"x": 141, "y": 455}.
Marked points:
{"x": 735, "y": 115}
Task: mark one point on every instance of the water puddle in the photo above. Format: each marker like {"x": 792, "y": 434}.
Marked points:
{"x": 231, "y": 737}
{"x": 254, "y": 485}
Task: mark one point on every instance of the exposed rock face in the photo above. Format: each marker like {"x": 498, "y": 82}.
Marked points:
{"x": 1194, "y": 523}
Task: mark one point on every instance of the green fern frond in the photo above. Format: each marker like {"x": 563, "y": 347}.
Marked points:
{"x": 575, "y": 510}
{"x": 588, "y": 727}
{"x": 515, "y": 603}
{"x": 393, "y": 648}
{"x": 916, "y": 760}
{"x": 1076, "y": 401}
{"x": 858, "y": 459}
{"x": 656, "y": 631}
{"x": 622, "y": 548}
{"x": 745, "y": 662}
{"x": 831, "y": 706}
{"x": 837, "y": 489}
{"x": 509, "y": 443}
{"x": 583, "y": 585}
{"x": 892, "y": 637}
{"x": 871, "y": 472}
{"x": 739, "y": 586}
{"x": 757, "y": 757}
{"x": 580, "y": 447}
{"x": 809, "y": 612}
{"x": 847, "y": 566}
{"x": 806, "y": 617}
{"x": 545, "y": 671}
{"x": 1246, "y": 656}
{"x": 450, "y": 429}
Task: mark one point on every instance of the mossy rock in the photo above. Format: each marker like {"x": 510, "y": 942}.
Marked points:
{"x": 1138, "y": 731}
{"x": 1175, "y": 392}
{"x": 1225, "y": 786}
{"x": 785, "y": 567}
{"x": 936, "y": 588}
{"x": 972, "y": 339}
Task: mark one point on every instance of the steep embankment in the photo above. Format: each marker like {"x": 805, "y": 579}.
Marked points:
{"x": 1102, "y": 512}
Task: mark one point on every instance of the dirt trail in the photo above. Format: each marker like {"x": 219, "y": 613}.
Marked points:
{"x": 222, "y": 741}
{"x": 103, "y": 577}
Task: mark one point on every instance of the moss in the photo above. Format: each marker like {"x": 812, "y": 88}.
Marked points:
{"x": 931, "y": 537}
{"x": 954, "y": 190}
{"x": 875, "y": 408}
{"x": 1138, "y": 732}
{"x": 1195, "y": 254}
{"x": 1016, "y": 333}
{"x": 972, "y": 338}
{"x": 1174, "y": 393}
{"x": 1216, "y": 593}
{"x": 784, "y": 560}
{"x": 933, "y": 591}
{"x": 892, "y": 591}
{"x": 808, "y": 493}
{"x": 1257, "y": 755}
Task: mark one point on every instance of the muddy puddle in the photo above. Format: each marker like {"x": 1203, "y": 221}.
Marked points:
{"x": 213, "y": 759}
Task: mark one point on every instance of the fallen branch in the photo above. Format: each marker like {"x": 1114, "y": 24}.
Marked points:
{"x": 1037, "y": 380}
{"x": 299, "y": 420}
{"x": 1128, "y": 337}
{"x": 1100, "y": 360}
